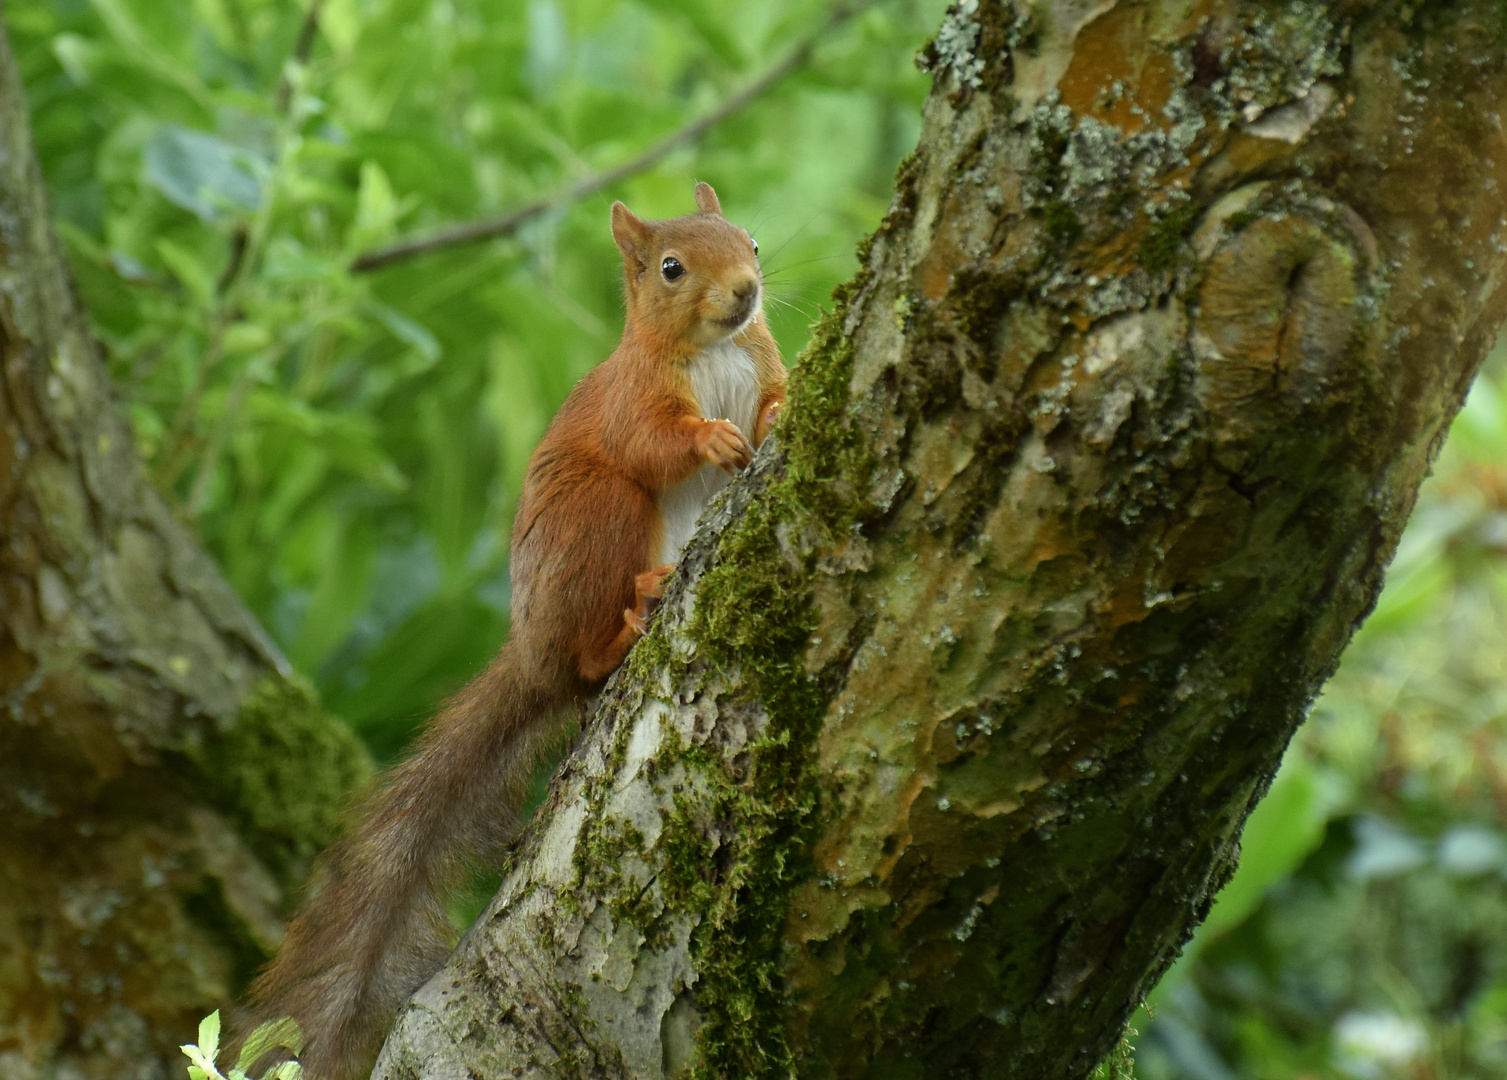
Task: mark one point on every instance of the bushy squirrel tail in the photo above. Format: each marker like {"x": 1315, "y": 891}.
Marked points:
{"x": 373, "y": 927}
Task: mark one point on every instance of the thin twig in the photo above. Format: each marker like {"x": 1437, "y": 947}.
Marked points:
{"x": 301, "y": 50}
{"x": 505, "y": 224}
{"x": 245, "y": 249}
{"x": 209, "y": 460}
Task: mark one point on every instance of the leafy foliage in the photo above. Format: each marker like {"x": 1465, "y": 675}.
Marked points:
{"x": 350, "y": 445}
{"x": 1365, "y": 934}
{"x": 278, "y": 1035}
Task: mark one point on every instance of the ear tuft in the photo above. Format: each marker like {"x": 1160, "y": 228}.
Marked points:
{"x": 706, "y": 200}
{"x": 631, "y": 233}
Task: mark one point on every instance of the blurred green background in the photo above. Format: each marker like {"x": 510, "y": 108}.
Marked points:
{"x": 350, "y": 446}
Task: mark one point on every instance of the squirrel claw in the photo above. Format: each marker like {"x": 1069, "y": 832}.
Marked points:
{"x": 651, "y": 585}
{"x": 721, "y": 443}
{"x": 648, "y": 587}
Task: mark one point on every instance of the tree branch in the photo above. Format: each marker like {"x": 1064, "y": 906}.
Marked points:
{"x": 508, "y": 223}
{"x": 946, "y": 731}
{"x": 163, "y": 780}
{"x": 302, "y": 47}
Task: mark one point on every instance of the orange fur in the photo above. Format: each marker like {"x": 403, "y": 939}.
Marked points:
{"x": 583, "y": 549}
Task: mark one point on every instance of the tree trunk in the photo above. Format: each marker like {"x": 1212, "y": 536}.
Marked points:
{"x": 163, "y": 782}
{"x": 943, "y": 740}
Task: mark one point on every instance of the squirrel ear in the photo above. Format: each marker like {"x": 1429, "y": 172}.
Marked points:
{"x": 631, "y": 233}
{"x": 706, "y": 199}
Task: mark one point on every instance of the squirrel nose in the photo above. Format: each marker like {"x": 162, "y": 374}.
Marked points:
{"x": 745, "y": 289}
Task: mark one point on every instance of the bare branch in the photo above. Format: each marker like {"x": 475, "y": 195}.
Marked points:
{"x": 508, "y": 223}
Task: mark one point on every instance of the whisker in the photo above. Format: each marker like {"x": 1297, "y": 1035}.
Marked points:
{"x": 784, "y": 301}
{"x": 804, "y": 227}
{"x": 804, "y": 262}
{"x": 757, "y": 223}
{"x": 811, "y": 292}
{"x": 809, "y": 313}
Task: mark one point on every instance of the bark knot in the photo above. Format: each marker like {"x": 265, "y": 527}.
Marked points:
{"x": 1282, "y": 313}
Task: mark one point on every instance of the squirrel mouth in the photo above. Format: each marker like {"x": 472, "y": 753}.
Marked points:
{"x": 740, "y": 316}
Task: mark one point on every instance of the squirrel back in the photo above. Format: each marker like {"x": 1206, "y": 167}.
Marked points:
{"x": 609, "y": 498}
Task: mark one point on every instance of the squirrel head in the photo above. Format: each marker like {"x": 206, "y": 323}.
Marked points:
{"x": 692, "y": 280}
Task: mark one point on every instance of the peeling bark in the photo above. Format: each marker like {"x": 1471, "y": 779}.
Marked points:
{"x": 944, "y": 737}
{"x": 162, "y": 782}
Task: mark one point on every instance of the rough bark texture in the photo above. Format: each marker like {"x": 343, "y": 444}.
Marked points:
{"x": 162, "y": 782}
{"x": 942, "y": 744}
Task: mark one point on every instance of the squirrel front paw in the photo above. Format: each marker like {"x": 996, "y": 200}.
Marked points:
{"x": 721, "y": 443}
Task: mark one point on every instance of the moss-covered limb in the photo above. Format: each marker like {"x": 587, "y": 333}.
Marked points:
{"x": 945, "y": 735}
{"x": 148, "y": 852}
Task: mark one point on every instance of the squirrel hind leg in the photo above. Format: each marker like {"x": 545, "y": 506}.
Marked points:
{"x": 648, "y": 588}
{"x": 598, "y": 663}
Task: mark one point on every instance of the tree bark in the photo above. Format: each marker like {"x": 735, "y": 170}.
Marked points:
{"x": 163, "y": 781}
{"x": 943, "y": 740}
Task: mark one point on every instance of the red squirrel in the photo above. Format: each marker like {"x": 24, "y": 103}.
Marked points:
{"x": 610, "y": 497}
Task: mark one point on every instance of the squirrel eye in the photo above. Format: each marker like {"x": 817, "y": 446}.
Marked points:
{"x": 755, "y": 243}
{"x": 671, "y": 269}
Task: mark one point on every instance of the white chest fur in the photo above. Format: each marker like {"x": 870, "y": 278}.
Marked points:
{"x": 726, "y": 387}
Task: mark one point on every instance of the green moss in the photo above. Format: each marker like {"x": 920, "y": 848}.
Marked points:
{"x": 736, "y": 888}
{"x": 285, "y": 769}
{"x": 1120, "y": 1064}
{"x": 1164, "y": 240}
{"x": 1062, "y": 224}
{"x": 605, "y": 840}
{"x": 1049, "y": 144}
{"x": 1238, "y": 221}
{"x": 1121, "y": 198}
{"x": 600, "y": 859}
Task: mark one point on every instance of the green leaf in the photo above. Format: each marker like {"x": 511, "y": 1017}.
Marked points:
{"x": 246, "y": 337}
{"x": 377, "y": 208}
{"x": 190, "y": 272}
{"x": 209, "y": 1034}
{"x": 205, "y": 175}
{"x": 78, "y": 56}
{"x": 200, "y": 1061}
{"x": 281, "y": 1034}
{"x": 409, "y": 331}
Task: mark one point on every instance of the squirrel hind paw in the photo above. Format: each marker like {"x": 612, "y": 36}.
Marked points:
{"x": 651, "y": 585}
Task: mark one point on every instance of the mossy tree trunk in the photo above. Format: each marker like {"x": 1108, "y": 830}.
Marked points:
{"x": 163, "y": 783}
{"x": 942, "y": 743}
